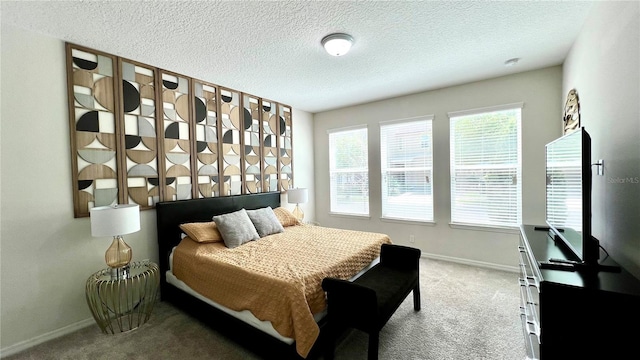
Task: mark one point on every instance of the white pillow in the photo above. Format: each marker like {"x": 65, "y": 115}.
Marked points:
{"x": 236, "y": 228}
{"x": 265, "y": 221}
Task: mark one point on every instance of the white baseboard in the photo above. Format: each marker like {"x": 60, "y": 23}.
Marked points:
{"x": 24, "y": 345}
{"x": 483, "y": 264}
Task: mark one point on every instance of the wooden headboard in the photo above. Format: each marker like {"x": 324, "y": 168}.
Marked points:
{"x": 171, "y": 214}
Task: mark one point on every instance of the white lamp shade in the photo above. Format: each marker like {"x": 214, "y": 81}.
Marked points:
{"x": 115, "y": 220}
{"x": 337, "y": 44}
{"x": 297, "y": 196}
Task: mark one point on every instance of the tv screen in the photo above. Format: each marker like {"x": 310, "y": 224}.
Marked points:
{"x": 568, "y": 194}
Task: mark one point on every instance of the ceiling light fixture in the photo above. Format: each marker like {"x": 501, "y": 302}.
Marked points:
{"x": 337, "y": 44}
{"x": 511, "y": 62}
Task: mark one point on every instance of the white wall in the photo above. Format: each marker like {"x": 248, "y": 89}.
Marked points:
{"x": 541, "y": 122}
{"x": 303, "y": 161}
{"x": 47, "y": 254}
{"x": 604, "y": 67}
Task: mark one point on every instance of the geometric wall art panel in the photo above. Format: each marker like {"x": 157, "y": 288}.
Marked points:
{"x": 270, "y": 146}
{"x": 251, "y": 144}
{"x": 93, "y": 126}
{"x": 177, "y": 138}
{"x": 141, "y": 143}
{"x": 285, "y": 154}
{"x": 206, "y": 122}
{"x": 230, "y": 134}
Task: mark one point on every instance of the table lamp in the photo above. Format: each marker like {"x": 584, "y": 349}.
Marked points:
{"x": 116, "y": 220}
{"x": 297, "y": 196}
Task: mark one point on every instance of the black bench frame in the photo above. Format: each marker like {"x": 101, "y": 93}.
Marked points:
{"x": 369, "y": 301}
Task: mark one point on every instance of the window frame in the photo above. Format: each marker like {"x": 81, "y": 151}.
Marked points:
{"x": 456, "y": 223}
{"x": 364, "y": 170}
{"x": 384, "y": 170}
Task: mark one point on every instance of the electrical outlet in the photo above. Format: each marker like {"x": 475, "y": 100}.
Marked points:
{"x": 412, "y": 239}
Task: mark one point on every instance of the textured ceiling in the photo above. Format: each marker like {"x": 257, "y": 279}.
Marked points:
{"x": 272, "y": 49}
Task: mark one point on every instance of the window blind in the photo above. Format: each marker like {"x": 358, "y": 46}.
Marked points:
{"x": 407, "y": 169}
{"x": 486, "y": 168}
{"x": 349, "y": 171}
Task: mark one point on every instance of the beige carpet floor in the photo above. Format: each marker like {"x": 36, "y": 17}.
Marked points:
{"x": 467, "y": 313}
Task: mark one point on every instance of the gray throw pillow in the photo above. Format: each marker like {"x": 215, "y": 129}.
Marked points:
{"x": 265, "y": 221}
{"x": 236, "y": 228}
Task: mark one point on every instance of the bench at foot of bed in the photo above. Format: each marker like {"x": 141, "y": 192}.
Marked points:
{"x": 368, "y": 302}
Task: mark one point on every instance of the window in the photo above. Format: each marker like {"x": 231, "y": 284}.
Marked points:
{"x": 486, "y": 167}
{"x": 407, "y": 169}
{"x": 349, "y": 171}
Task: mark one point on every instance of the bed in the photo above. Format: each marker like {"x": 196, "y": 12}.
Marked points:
{"x": 283, "y": 308}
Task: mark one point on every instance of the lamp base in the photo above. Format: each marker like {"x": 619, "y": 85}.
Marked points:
{"x": 298, "y": 213}
{"x": 118, "y": 254}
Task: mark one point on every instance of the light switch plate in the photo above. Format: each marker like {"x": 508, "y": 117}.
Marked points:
{"x": 600, "y": 165}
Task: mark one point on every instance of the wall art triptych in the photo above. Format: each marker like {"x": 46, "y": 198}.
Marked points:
{"x": 140, "y": 135}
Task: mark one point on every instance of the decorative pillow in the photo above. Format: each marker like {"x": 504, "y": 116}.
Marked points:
{"x": 236, "y": 228}
{"x": 286, "y": 217}
{"x": 265, "y": 221}
{"x": 202, "y": 232}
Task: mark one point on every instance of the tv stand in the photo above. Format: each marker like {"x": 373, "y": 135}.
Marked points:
{"x": 571, "y": 310}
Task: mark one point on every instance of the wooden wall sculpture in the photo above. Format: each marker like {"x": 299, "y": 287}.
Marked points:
{"x": 140, "y": 135}
{"x": 176, "y": 135}
{"x": 270, "y": 146}
{"x": 92, "y": 90}
{"x": 231, "y": 131}
{"x": 141, "y": 179}
{"x": 252, "y": 148}
{"x": 207, "y": 144}
{"x": 285, "y": 146}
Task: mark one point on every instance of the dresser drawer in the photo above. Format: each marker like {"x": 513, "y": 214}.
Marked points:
{"x": 531, "y": 340}
{"x": 529, "y": 283}
{"x": 530, "y": 286}
{"x": 529, "y": 307}
{"x": 528, "y": 271}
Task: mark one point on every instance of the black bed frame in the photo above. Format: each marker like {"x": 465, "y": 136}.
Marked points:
{"x": 169, "y": 216}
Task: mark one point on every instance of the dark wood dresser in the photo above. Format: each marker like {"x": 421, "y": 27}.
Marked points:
{"x": 575, "y": 314}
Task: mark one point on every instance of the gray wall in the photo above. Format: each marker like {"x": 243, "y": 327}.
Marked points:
{"x": 540, "y": 91}
{"x": 604, "y": 67}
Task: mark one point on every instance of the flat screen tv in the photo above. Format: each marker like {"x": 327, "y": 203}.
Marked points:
{"x": 568, "y": 195}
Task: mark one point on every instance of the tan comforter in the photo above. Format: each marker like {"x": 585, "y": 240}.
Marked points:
{"x": 278, "y": 278}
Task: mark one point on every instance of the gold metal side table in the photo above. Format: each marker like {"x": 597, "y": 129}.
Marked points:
{"x": 123, "y": 301}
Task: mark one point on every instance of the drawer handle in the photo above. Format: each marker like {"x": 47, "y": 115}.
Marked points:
{"x": 531, "y": 328}
{"x": 524, "y": 283}
{"x": 532, "y": 281}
